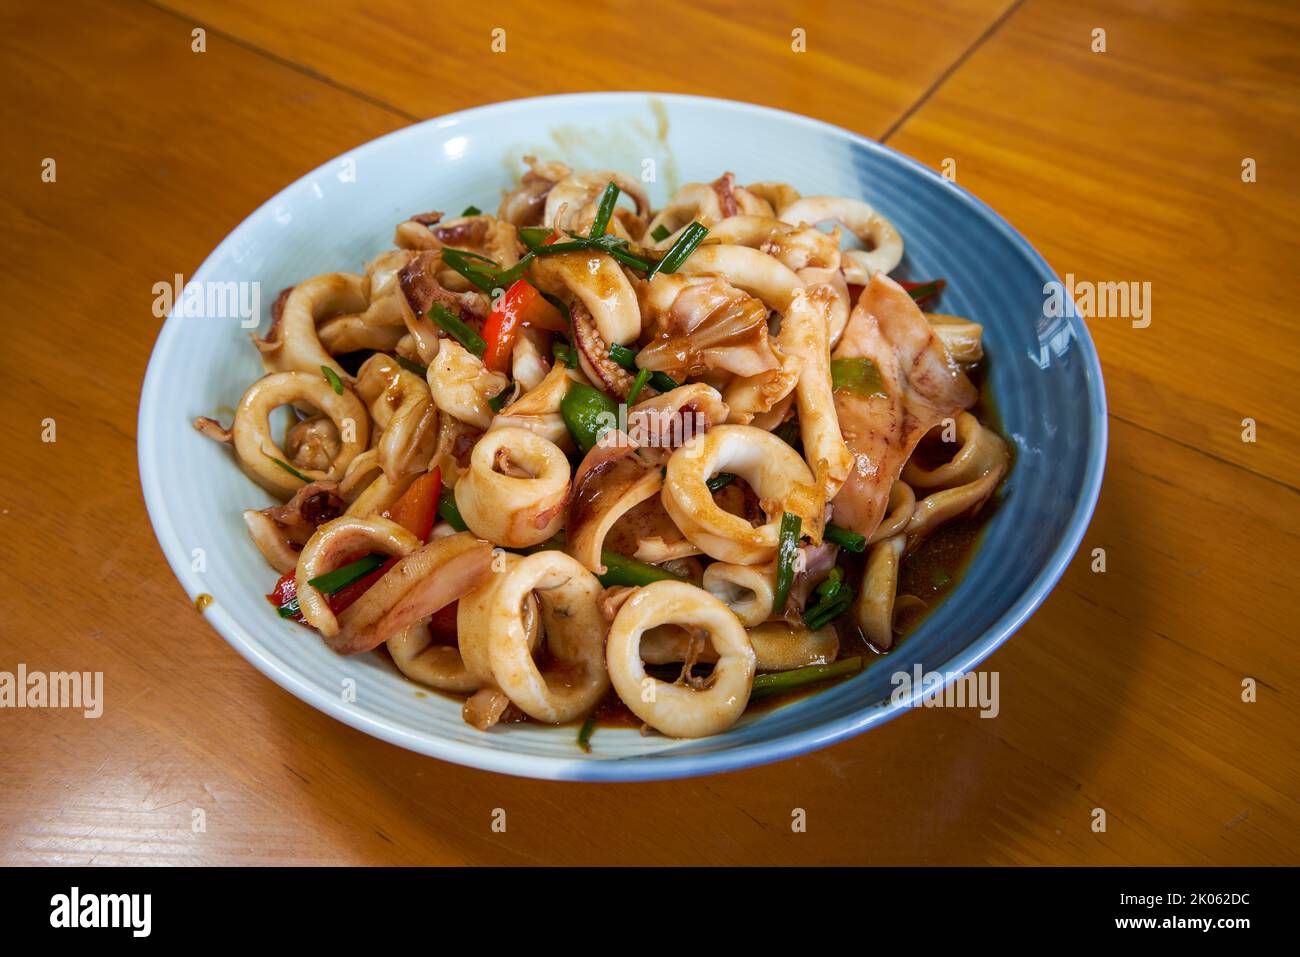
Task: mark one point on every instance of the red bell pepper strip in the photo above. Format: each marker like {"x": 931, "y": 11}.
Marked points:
{"x": 417, "y": 509}
{"x": 520, "y": 305}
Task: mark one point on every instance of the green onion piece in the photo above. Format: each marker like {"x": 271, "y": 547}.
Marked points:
{"x": 289, "y": 608}
{"x": 534, "y": 236}
{"x": 567, "y": 246}
{"x": 409, "y": 366}
{"x": 472, "y": 255}
{"x": 589, "y": 414}
{"x": 342, "y": 577}
{"x": 508, "y": 277}
{"x": 831, "y": 585}
{"x": 642, "y": 377}
{"x": 859, "y": 376}
{"x": 623, "y": 356}
{"x": 480, "y": 278}
{"x": 614, "y": 246}
{"x": 604, "y": 211}
{"x": 680, "y": 250}
{"x": 787, "y": 548}
{"x": 660, "y": 233}
{"x": 472, "y": 211}
{"x": 584, "y": 733}
{"x": 783, "y": 681}
{"x": 721, "y": 480}
{"x": 498, "y": 401}
{"x": 632, "y": 260}
{"x": 456, "y": 328}
{"x": 449, "y": 512}
{"x": 621, "y": 570}
{"x": 333, "y": 379}
{"x": 627, "y": 359}
{"x": 834, "y": 599}
{"x": 289, "y": 468}
{"x": 563, "y": 353}
{"x": 844, "y": 537}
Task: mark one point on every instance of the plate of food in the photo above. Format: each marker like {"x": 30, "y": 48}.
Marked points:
{"x": 620, "y": 436}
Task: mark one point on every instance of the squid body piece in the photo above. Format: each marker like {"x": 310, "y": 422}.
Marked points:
{"x": 674, "y": 709}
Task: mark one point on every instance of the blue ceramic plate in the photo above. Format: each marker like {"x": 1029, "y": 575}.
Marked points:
{"x": 1044, "y": 375}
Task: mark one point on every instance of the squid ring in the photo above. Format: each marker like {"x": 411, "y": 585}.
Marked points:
{"x": 251, "y": 431}
{"x": 293, "y": 344}
{"x": 677, "y": 711}
{"x": 443, "y": 666}
{"x": 514, "y": 510}
{"x": 775, "y": 472}
{"x": 885, "y": 245}
{"x": 325, "y": 550}
{"x": 748, "y": 590}
{"x": 980, "y": 450}
{"x": 494, "y": 640}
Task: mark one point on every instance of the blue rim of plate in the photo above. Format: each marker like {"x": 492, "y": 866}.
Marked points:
{"x": 655, "y": 766}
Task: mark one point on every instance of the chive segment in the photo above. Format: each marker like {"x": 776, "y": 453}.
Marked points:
{"x": 720, "y": 481}
{"x": 783, "y": 681}
{"x": 680, "y": 250}
{"x": 471, "y": 211}
{"x": 660, "y": 233}
{"x": 563, "y": 353}
{"x": 449, "y": 512}
{"x": 604, "y": 211}
{"x": 498, "y": 401}
{"x": 484, "y": 280}
{"x": 844, "y": 537}
{"x": 787, "y": 549}
{"x": 333, "y": 379}
{"x": 833, "y": 598}
{"x": 621, "y": 570}
{"x": 627, "y": 359}
{"x": 289, "y": 468}
{"x": 642, "y": 377}
{"x": 455, "y": 327}
{"x": 585, "y": 732}
{"x": 345, "y": 575}
{"x": 409, "y": 366}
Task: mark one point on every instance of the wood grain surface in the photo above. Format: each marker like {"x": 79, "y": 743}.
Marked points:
{"x": 1124, "y": 692}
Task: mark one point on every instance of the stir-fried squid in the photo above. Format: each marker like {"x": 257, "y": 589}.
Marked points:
{"x": 582, "y": 456}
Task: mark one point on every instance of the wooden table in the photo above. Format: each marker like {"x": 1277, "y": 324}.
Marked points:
{"x": 1123, "y": 693}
